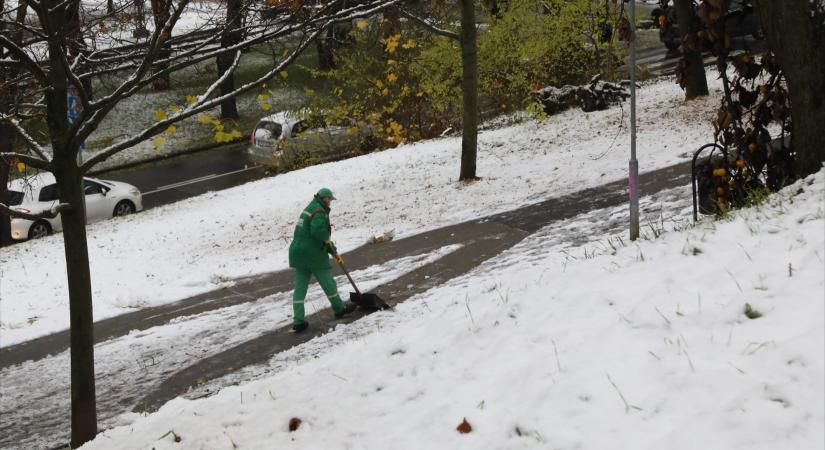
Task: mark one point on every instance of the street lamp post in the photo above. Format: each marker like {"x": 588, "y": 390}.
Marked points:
{"x": 633, "y": 177}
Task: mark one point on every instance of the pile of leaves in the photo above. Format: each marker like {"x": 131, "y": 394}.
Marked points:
{"x": 596, "y": 96}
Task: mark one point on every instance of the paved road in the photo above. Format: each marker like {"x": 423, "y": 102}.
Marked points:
{"x": 25, "y": 425}
{"x": 659, "y": 61}
{"x": 185, "y": 176}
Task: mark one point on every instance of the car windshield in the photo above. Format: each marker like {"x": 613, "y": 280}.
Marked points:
{"x": 15, "y": 198}
{"x": 268, "y": 130}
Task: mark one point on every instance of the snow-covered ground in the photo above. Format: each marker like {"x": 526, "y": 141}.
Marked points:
{"x": 36, "y": 394}
{"x": 646, "y": 346}
{"x": 180, "y": 250}
{"x": 189, "y": 247}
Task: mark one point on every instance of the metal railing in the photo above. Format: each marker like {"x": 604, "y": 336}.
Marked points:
{"x": 714, "y": 146}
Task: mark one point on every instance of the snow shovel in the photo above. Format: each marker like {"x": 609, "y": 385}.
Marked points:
{"x": 366, "y": 301}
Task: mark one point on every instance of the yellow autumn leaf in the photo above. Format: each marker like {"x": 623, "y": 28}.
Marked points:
{"x": 391, "y": 62}
{"x": 158, "y": 141}
{"x": 266, "y": 106}
{"x": 391, "y": 77}
{"x": 262, "y": 97}
{"x": 21, "y": 167}
{"x": 409, "y": 44}
{"x": 160, "y": 114}
{"x": 379, "y": 84}
{"x": 385, "y": 91}
{"x": 392, "y": 43}
{"x": 191, "y": 99}
{"x": 171, "y": 130}
{"x": 284, "y": 74}
{"x": 205, "y": 119}
{"x": 174, "y": 108}
{"x": 361, "y": 24}
{"x": 235, "y": 134}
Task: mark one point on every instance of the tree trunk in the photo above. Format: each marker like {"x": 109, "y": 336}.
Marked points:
{"x": 696, "y": 84}
{"x": 110, "y": 6}
{"x": 160, "y": 11}
{"x": 6, "y": 134}
{"x": 8, "y": 96}
{"x": 796, "y": 34}
{"x": 230, "y": 37}
{"x": 326, "y": 50}
{"x": 469, "y": 87}
{"x": 81, "y": 343}
{"x": 84, "y": 411}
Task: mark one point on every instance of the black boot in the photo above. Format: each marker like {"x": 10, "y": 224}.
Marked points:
{"x": 299, "y": 327}
{"x": 349, "y": 307}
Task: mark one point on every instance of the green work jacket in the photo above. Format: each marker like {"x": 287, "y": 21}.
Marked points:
{"x": 308, "y": 249}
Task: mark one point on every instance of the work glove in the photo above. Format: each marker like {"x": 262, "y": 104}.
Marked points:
{"x": 331, "y": 248}
{"x": 338, "y": 259}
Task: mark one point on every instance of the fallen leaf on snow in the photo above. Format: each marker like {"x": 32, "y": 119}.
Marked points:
{"x": 464, "y": 427}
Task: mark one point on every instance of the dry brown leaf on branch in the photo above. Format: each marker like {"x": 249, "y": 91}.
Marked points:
{"x": 294, "y": 423}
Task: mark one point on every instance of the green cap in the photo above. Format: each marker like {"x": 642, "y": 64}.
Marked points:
{"x": 325, "y": 192}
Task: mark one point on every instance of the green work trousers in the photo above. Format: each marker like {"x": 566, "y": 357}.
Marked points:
{"x": 324, "y": 277}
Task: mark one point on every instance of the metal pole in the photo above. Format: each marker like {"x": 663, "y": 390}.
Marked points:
{"x": 633, "y": 178}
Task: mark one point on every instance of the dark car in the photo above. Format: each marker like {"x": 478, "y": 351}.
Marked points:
{"x": 740, "y": 22}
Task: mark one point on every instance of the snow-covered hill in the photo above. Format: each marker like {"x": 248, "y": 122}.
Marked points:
{"x": 646, "y": 347}
{"x": 193, "y": 246}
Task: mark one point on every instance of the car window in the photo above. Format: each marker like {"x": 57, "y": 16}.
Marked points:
{"x": 48, "y": 193}
{"x": 15, "y": 198}
{"x": 91, "y": 188}
{"x": 268, "y": 130}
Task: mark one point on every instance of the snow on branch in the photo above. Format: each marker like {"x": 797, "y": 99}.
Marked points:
{"x": 28, "y": 160}
{"x": 194, "y": 109}
{"x": 30, "y": 142}
{"x": 135, "y": 82}
{"x": 50, "y": 214}
{"x": 220, "y": 79}
{"x": 24, "y": 58}
{"x": 429, "y": 25}
{"x": 153, "y": 48}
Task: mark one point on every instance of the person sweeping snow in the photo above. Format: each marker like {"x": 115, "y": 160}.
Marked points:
{"x": 308, "y": 256}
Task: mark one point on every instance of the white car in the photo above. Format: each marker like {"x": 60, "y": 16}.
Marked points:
{"x": 284, "y": 138}
{"x": 38, "y": 193}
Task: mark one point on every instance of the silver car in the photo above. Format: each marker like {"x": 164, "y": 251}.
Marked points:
{"x": 38, "y": 193}
{"x": 285, "y": 139}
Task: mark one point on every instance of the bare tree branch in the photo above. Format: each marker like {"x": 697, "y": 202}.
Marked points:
{"x": 24, "y": 58}
{"x": 429, "y": 25}
{"x": 30, "y": 142}
{"x": 24, "y": 27}
{"x": 50, "y": 214}
{"x": 28, "y": 160}
{"x": 220, "y": 79}
{"x": 135, "y": 82}
{"x": 193, "y": 109}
